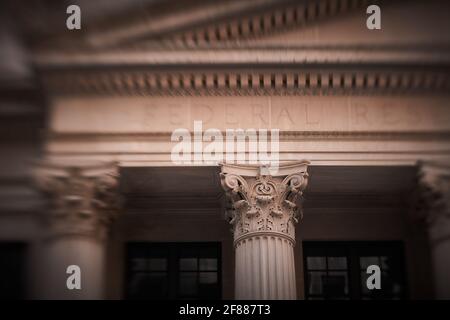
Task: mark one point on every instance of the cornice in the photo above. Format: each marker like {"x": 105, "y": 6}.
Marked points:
{"x": 278, "y": 17}
{"x": 212, "y": 22}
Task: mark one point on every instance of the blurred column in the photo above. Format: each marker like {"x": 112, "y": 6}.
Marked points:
{"x": 263, "y": 209}
{"x": 83, "y": 201}
{"x": 435, "y": 190}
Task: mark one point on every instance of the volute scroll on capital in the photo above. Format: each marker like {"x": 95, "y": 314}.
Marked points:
{"x": 83, "y": 199}
{"x": 434, "y": 187}
{"x": 260, "y": 202}
{"x": 432, "y": 201}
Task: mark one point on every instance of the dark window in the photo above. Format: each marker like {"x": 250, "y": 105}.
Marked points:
{"x": 338, "y": 270}
{"x": 173, "y": 271}
{"x": 12, "y": 271}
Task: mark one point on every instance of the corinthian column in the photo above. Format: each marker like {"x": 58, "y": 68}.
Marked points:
{"x": 82, "y": 202}
{"x": 263, "y": 210}
{"x": 435, "y": 190}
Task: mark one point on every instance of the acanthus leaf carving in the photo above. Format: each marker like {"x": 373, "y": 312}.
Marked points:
{"x": 264, "y": 202}
{"x": 83, "y": 200}
{"x": 434, "y": 199}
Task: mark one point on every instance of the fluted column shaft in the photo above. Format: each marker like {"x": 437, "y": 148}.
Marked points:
{"x": 265, "y": 268}
{"x": 263, "y": 208}
{"x": 82, "y": 202}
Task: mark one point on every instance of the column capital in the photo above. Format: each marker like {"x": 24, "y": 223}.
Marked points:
{"x": 261, "y": 202}
{"x": 83, "y": 197}
{"x": 434, "y": 188}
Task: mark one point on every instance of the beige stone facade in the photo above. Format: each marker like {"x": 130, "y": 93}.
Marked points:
{"x": 364, "y": 147}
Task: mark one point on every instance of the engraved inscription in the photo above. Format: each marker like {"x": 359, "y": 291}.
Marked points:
{"x": 330, "y": 113}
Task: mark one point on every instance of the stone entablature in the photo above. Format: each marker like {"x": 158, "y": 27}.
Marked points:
{"x": 353, "y": 129}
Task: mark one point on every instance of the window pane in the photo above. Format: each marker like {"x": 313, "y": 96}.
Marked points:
{"x": 12, "y": 264}
{"x": 148, "y": 285}
{"x": 188, "y": 283}
{"x": 336, "y": 284}
{"x": 337, "y": 263}
{"x": 315, "y": 282}
{"x": 382, "y": 293}
{"x": 158, "y": 281}
{"x": 390, "y": 285}
{"x": 364, "y": 289}
{"x": 136, "y": 283}
{"x": 208, "y": 264}
{"x": 208, "y": 285}
{"x": 139, "y": 264}
{"x": 338, "y": 270}
{"x": 364, "y": 262}
{"x": 188, "y": 264}
{"x": 157, "y": 264}
{"x": 173, "y": 270}
{"x": 385, "y": 262}
{"x": 318, "y": 263}
{"x": 208, "y": 277}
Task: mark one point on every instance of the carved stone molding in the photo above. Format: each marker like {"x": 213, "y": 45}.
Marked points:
{"x": 293, "y": 14}
{"x": 190, "y": 24}
{"x": 263, "y": 203}
{"x": 434, "y": 188}
{"x": 83, "y": 198}
{"x": 243, "y": 83}
{"x": 222, "y": 22}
